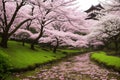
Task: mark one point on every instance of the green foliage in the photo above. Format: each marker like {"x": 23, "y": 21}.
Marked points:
{"x": 33, "y": 30}
{"x": 5, "y": 66}
{"x": 109, "y": 61}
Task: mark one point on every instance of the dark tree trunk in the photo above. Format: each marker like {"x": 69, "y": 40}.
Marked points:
{"x": 23, "y": 42}
{"x": 116, "y": 43}
{"x": 55, "y": 47}
{"x": 36, "y": 40}
{"x": 106, "y": 45}
{"x": 116, "y": 47}
{"x": 50, "y": 46}
{"x": 4, "y": 41}
{"x": 32, "y": 46}
{"x": 43, "y": 24}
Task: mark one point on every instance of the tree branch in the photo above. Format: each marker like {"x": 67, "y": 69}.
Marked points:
{"x": 4, "y": 12}
{"x": 19, "y": 26}
{"x": 14, "y": 15}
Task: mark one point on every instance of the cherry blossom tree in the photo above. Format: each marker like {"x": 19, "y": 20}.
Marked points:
{"x": 60, "y": 35}
{"x": 114, "y": 5}
{"x": 108, "y": 31}
{"x": 12, "y": 17}
{"x": 54, "y": 38}
{"x": 50, "y": 11}
{"x": 31, "y": 19}
{"x": 111, "y": 7}
{"x": 60, "y": 27}
{"x": 67, "y": 34}
{"x": 22, "y": 35}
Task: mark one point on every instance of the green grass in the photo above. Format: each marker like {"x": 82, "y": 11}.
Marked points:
{"x": 73, "y": 51}
{"x": 70, "y": 50}
{"x": 22, "y": 56}
{"x": 109, "y": 61}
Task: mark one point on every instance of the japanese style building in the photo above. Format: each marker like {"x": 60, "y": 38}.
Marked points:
{"x": 94, "y": 11}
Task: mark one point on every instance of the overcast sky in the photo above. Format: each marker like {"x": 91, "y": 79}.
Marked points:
{"x": 85, "y": 4}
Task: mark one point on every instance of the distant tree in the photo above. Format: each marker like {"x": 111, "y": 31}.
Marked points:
{"x": 111, "y": 7}
{"x": 109, "y": 31}
{"x": 114, "y": 5}
{"x": 22, "y": 35}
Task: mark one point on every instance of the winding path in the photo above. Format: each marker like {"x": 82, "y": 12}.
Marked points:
{"x": 76, "y": 68}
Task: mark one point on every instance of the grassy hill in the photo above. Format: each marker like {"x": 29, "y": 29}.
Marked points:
{"x": 22, "y": 56}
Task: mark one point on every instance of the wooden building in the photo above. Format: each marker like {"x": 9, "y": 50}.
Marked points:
{"x": 94, "y": 11}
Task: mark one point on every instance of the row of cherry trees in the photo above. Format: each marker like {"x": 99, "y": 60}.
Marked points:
{"x": 54, "y": 22}
{"x": 42, "y": 21}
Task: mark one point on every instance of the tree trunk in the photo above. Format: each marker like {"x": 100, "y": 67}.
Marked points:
{"x": 36, "y": 40}
{"x": 23, "y": 42}
{"x": 55, "y": 49}
{"x": 57, "y": 44}
{"x": 116, "y": 47}
{"x": 106, "y": 44}
{"x": 32, "y": 46}
{"x": 4, "y": 41}
{"x": 50, "y": 46}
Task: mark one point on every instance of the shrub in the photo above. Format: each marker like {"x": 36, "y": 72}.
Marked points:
{"x": 4, "y": 66}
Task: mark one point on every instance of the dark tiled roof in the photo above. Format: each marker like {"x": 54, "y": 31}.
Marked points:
{"x": 97, "y": 7}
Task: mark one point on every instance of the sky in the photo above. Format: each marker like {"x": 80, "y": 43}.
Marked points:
{"x": 86, "y": 4}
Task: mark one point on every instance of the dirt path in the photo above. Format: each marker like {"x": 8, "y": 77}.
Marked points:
{"x": 75, "y": 68}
